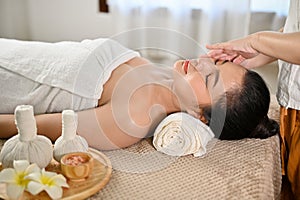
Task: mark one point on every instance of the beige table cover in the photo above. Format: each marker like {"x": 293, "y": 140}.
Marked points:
{"x": 245, "y": 169}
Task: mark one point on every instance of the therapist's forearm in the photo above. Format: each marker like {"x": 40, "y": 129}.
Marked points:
{"x": 282, "y": 46}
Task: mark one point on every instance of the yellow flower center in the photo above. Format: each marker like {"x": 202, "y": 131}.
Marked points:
{"x": 47, "y": 181}
{"x": 20, "y": 180}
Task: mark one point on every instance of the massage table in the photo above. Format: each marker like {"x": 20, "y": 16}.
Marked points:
{"x": 243, "y": 169}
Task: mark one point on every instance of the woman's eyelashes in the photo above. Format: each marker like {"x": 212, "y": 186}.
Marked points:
{"x": 206, "y": 79}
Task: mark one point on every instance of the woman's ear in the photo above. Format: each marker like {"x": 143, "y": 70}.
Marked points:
{"x": 202, "y": 117}
{"x": 199, "y": 115}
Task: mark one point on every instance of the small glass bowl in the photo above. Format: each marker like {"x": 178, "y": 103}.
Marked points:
{"x": 77, "y": 166}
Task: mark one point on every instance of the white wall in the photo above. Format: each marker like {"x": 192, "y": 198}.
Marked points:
{"x": 53, "y": 20}
{"x": 13, "y": 19}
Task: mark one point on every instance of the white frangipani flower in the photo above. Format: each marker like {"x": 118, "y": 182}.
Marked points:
{"x": 51, "y": 182}
{"x": 16, "y": 178}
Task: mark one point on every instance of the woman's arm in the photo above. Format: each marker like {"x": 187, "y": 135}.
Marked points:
{"x": 106, "y": 130}
{"x": 7, "y": 126}
{"x": 47, "y": 124}
{"x": 99, "y": 126}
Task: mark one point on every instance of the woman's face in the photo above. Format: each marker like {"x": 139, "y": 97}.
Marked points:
{"x": 199, "y": 81}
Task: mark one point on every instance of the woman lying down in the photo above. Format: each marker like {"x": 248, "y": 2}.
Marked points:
{"x": 121, "y": 97}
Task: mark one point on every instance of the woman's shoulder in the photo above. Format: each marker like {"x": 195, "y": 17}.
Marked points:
{"x": 137, "y": 62}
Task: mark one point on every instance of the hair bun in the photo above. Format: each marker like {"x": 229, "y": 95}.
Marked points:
{"x": 266, "y": 128}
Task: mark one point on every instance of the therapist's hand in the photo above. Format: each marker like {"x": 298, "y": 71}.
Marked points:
{"x": 237, "y": 51}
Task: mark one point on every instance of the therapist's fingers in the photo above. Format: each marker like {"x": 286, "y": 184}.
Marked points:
{"x": 215, "y": 52}
{"x": 204, "y": 56}
{"x": 222, "y": 55}
{"x": 239, "y": 60}
{"x": 219, "y": 46}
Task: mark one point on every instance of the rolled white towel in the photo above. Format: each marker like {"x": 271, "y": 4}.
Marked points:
{"x": 181, "y": 134}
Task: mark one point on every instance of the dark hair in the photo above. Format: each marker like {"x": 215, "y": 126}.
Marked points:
{"x": 242, "y": 112}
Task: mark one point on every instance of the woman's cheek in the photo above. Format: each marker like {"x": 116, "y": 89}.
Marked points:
{"x": 184, "y": 91}
{"x": 200, "y": 90}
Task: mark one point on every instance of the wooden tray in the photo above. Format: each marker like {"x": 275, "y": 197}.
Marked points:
{"x": 77, "y": 189}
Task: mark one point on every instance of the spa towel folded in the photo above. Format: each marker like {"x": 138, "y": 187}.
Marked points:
{"x": 180, "y": 134}
{"x": 76, "y": 68}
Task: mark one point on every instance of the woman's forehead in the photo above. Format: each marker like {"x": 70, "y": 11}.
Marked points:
{"x": 231, "y": 74}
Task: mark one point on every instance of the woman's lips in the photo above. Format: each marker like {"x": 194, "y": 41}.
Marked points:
{"x": 186, "y": 65}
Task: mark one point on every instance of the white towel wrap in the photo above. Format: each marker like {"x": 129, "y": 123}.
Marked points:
{"x": 57, "y": 76}
{"x": 180, "y": 134}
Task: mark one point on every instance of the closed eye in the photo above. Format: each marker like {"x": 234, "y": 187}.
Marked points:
{"x": 212, "y": 77}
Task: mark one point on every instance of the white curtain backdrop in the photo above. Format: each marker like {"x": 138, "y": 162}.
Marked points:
{"x": 268, "y": 14}
{"x": 182, "y": 28}
{"x": 280, "y": 7}
{"x": 178, "y": 27}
